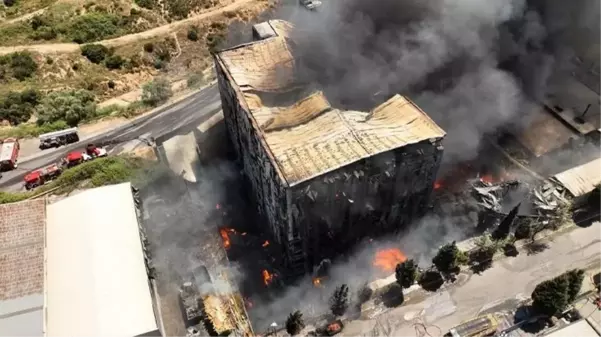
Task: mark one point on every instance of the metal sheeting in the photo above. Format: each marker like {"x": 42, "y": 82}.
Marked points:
{"x": 581, "y": 179}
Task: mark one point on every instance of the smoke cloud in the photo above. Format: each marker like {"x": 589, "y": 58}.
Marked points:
{"x": 474, "y": 66}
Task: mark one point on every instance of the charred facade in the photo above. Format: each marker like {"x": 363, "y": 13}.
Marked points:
{"x": 322, "y": 178}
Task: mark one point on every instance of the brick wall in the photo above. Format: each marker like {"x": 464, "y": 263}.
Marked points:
{"x": 22, "y": 248}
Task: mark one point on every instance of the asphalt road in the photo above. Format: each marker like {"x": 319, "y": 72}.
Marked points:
{"x": 192, "y": 110}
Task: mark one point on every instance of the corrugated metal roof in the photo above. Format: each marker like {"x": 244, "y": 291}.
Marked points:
{"x": 309, "y": 138}
{"x": 581, "y": 179}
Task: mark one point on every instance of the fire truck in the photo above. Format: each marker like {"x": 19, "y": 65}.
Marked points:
{"x": 75, "y": 158}
{"x": 41, "y": 176}
{"x": 9, "y": 152}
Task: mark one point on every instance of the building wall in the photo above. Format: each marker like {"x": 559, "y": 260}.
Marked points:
{"x": 318, "y": 218}
{"x": 372, "y": 197}
{"x": 267, "y": 187}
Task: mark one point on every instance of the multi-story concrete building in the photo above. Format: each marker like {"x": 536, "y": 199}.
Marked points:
{"x": 322, "y": 178}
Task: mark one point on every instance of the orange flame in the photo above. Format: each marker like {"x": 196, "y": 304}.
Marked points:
{"x": 334, "y": 327}
{"x": 487, "y": 178}
{"x": 317, "y": 282}
{"x": 388, "y": 259}
{"x": 437, "y": 185}
{"x": 267, "y": 277}
{"x": 265, "y": 244}
{"x": 225, "y": 237}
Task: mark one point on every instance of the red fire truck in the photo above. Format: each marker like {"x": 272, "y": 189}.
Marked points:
{"x": 9, "y": 152}
{"x": 40, "y": 177}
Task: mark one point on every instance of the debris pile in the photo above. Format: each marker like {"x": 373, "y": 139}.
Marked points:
{"x": 542, "y": 203}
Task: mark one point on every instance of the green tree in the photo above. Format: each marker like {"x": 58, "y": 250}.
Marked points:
{"x": 523, "y": 230}
{"x": 406, "y": 273}
{"x": 551, "y": 297}
{"x": 339, "y": 301}
{"x": 149, "y": 47}
{"x": 575, "y": 278}
{"x": 156, "y": 92}
{"x": 70, "y": 106}
{"x": 96, "y": 53}
{"x": 449, "y": 258}
{"x": 295, "y": 323}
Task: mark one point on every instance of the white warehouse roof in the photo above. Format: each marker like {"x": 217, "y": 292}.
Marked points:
{"x": 581, "y": 179}
{"x": 96, "y": 279}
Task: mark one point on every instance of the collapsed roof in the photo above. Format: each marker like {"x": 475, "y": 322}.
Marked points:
{"x": 307, "y": 137}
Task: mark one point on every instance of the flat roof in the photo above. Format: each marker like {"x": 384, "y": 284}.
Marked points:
{"x": 581, "y": 179}
{"x": 308, "y": 137}
{"x": 96, "y": 279}
{"x": 22, "y": 267}
{"x": 579, "y": 329}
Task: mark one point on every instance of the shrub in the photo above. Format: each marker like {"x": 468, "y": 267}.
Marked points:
{"x": 214, "y": 40}
{"x": 38, "y": 21}
{"x": 156, "y": 92}
{"x": 158, "y": 64}
{"x": 70, "y": 106}
{"x": 75, "y": 66}
{"x": 22, "y": 65}
{"x": 149, "y": 4}
{"x": 134, "y": 12}
{"x": 162, "y": 51}
{"x": 195, "y": 80}
{"x": 96, "y": 53}
{"x": 149, "y": 47}
{"x": 93, "y": 27}
{"x": 17, "y": 107}
{"x": 9, "y": 3}
{"x": 111, "y": 84}
{"x": 114, "y": 62}
{"x": 193, "y": 33}
{"x": 44, "y": 33}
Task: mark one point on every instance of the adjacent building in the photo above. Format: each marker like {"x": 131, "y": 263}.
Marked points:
{"x": 322, "y": 178}
{"x": 96, "y": 279}
{"x": 76, "y": 267}
{"x": 22, "y": 226}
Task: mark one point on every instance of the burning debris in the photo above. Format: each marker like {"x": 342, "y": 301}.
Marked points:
{"x": 265, "y": 244}
{"x": 317, "y": 282}
{"x": 225, "y": 237}
{"x": 388, "y": 259}
{"x": 267, "y": 277}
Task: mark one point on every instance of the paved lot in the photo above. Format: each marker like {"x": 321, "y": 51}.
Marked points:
{"x": 508, "y": 281}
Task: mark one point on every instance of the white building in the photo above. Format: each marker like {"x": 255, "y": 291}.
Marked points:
{"x": 95, "y": 275}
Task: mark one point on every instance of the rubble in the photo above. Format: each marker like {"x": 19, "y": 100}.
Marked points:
{"x": 542, "y": 202}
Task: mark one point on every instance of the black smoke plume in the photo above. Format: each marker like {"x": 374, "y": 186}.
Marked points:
{"x": 473, "y": 65}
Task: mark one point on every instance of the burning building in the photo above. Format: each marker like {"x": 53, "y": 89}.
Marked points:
{"x": 323, "y": 178}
